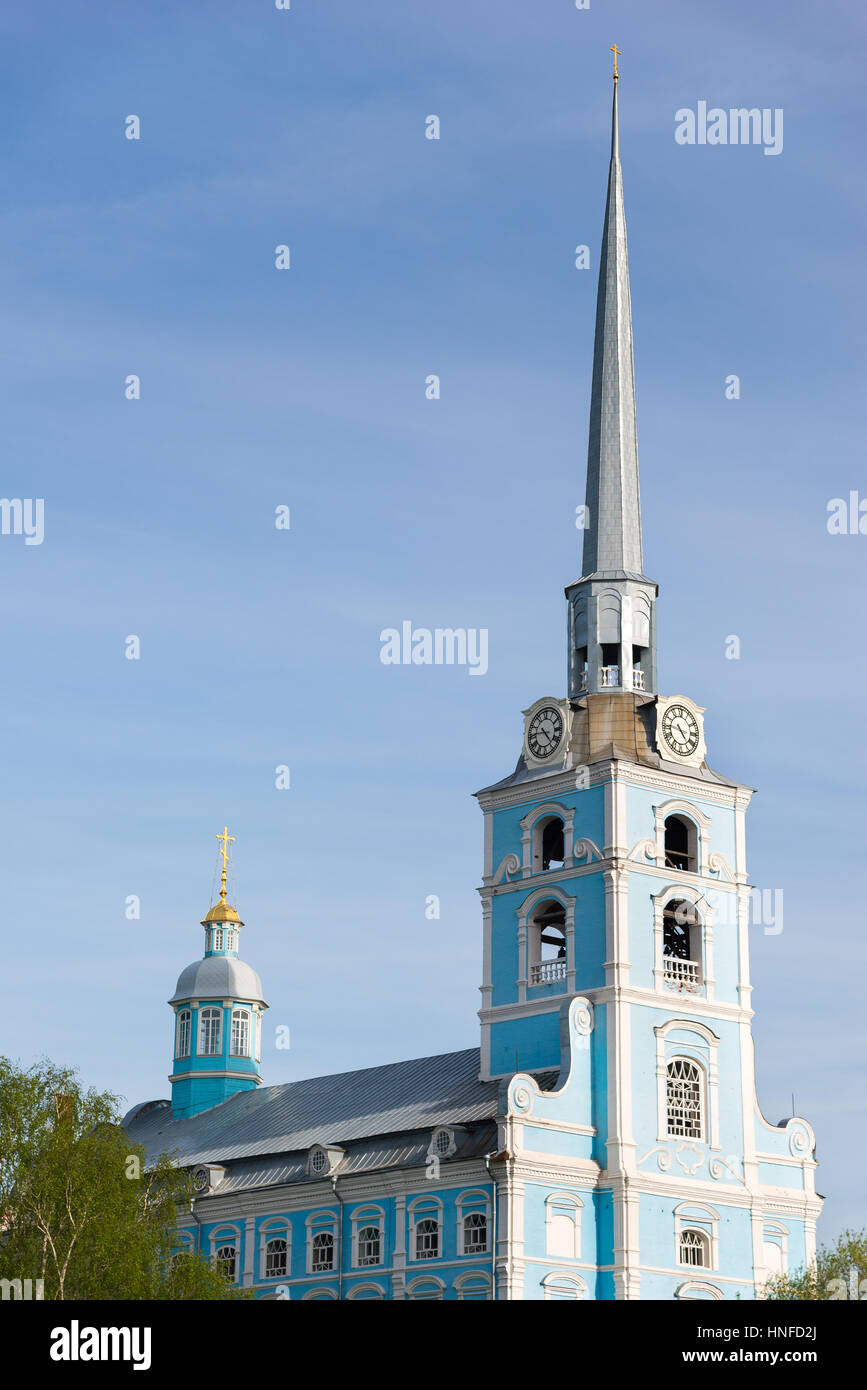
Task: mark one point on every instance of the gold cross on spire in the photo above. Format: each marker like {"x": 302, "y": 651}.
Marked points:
{"x": 224, "y": 840}
{"x": 616, "y": 51}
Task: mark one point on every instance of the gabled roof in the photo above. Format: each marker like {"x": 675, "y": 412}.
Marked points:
{"x": 397, "y": 1098}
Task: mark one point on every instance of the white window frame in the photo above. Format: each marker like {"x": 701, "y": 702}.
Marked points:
{"x": 425, "y": 1209}
{"x": 776, "y": 1234}
{"x": 217, "y": 944}
{"x": 686, "y": 810}
{"x": 532, "y": 831}
{"x": 242, "y": 1017}
{"x": 473, "y": 1281}
{"x": 313, "y": 1167}
{"x": 528, "y": 943}
{"x": 434, "y": 1150}
{"x": 559, "y": 1204}
{"x": 361, "y": 1218}
{"x": 321, "y": 1223}
{"x": 473, "y": 1202}
{"x": 204, "y": 1014}
{"x": 703, "y": 1049}
{"x": 687, "y": 1292}
{"x": 359, "y": 1289}
{"x": 561, "y": 1282}
{"x": 275, "y": 1228}
{"x": 418, "y": 1283}
{"x": 313, "y": 1295}
{"x": 701, "y": 936}
{"x": 223, "y": 1236}
{"x": 697, "y": 1216}
{"x": 183, "y": 1030}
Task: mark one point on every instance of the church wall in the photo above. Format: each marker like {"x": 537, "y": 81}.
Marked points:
{"x": 535, "y": 1038}
{"x": 782, "y": 1175}
{"x": 729, "y": 1228}
{"x": 722, "y": 1094}
{"x": 641, "y": 820}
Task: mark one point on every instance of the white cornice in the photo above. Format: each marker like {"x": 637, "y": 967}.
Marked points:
{"x": 609, "y": 769}
{"x": 623, "y": 863}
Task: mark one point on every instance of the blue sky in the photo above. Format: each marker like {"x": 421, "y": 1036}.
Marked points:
{"x": 306, "y": 388}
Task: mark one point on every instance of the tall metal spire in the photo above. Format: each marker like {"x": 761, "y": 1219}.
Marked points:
{"x": 612, "y": 607}
{"x": 612, "y": 539}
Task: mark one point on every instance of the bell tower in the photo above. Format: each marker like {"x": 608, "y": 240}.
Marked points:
{"x": 616, "y": 993}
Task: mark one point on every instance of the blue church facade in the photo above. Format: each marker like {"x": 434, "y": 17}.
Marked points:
{"x": 605, "y": 1141}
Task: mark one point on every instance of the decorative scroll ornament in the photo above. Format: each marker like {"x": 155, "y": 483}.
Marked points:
{"x": 718, "y": 864}
{"x": 522, "y": 1099}
{"x": 799, "y": 1141}
{"x": 663, "y": 1159}
{"x": 510, "y": 864}
{"x": 586, "y": 850}
{"x": 645, "y": 849}
{"x": 582, "y": 1019}
{"x": 689, "y": 1157}
{"x": 717, "y": 1166}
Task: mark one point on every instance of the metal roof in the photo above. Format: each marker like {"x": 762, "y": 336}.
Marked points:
{"x": 395, "y": 1099}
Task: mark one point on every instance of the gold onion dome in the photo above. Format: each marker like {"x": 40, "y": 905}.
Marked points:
{"x": 222, "y": 912}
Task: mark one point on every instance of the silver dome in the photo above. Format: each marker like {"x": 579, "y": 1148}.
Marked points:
{"x": 219, "y": 977}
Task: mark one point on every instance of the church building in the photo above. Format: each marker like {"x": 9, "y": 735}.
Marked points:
{"x": 604, "y": 1141}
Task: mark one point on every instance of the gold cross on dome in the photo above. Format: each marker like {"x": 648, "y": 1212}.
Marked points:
{"x": 224, "y": 841}
{"x": 617, "y": 52}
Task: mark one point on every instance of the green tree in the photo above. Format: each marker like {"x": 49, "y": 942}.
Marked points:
{"x": 839, "y": 1272}
{"x": 78, "y": 1207}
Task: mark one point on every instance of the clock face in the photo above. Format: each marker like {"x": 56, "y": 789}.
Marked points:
{"x": 680, "y": 730}
{"x": 545, "y": 732}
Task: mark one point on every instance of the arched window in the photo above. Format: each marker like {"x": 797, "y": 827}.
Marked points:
{"x": 240, "y": 1033}
{"x": 226, "y": 1261}
{"x": 681, "y": 844}
{"x": 275, "y": 1257}
{"x": 182, "y": 1034}
{"x": 549, "y": 844}
{"x": 563, "y": 1226}
{"x": 442, "y": 1142}
{"x": 694, "y": 1248}
{"x": 475, "y": 1233}
{"x": 322, "y": 1252}
{"x": 473, "y": 1287}
{"x": 775, "y": 1239}
{"x": 550, "y": 838}
{"x": 275, "y": 1251}
{"x": 369, "y": 1245}
{"x": 548, "y": 944}
{"x": 425, "y": 1291}
{"x": 210, "y": 1032}
{"x": 563, "y": 1286}
{"x": 368, "y": 1228}
{"x": 218, "y": 939}
{"x": 427, "y": 1239}
{"x": 362, "y": 1291}
{"x": 683, "y": 1098}
{"x": 681, "y": 947}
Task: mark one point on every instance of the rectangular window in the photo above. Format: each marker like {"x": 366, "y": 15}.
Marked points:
{"x": 210, "y": 1029}
{"x": 240, "y": 1033}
